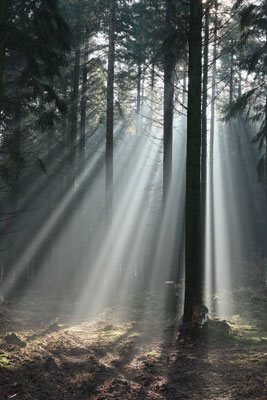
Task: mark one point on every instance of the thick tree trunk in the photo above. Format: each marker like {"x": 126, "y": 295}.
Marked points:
{"x": 204, "y": 139}
{"x": 110, "y": 116}
{"x": 193, "y": 273}
{"x": 211, "y": 178}
{"x": 2, "y": 20}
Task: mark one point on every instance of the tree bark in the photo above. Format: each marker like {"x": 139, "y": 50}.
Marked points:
{"x": 74, "y": 98}
{"x": 138, "y": 102}
{"x": 211, "y": 178}
{"x": 193, "y": 273}
{"x": 266, "y": 145}
{"x": 204, "y": 138}
{"x": 231, "y": 71}
{"x": 110, "y": 116}
{"x": 83, "y": 99}
{"x": 2, "y": 52}
{"x": 169, "y": 64}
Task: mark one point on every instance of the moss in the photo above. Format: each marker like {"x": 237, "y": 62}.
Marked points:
{"x": 5, "y": 362}
{"x": 154, "y": 353}
{"x": 243, "y": 361}
{"x": 113, "y": 332}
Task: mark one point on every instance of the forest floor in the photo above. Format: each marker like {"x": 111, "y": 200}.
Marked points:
{"x": 124, "y": 354}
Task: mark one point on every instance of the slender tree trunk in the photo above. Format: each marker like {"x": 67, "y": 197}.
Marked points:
{"x": 83, "y": 99}
{"x": 74, "y": 98}
{"x": 2, "y": 51}
{"x": 110, "y": 116}
{"x": 139, "y": 78}
{"x": 211, "y": 178}
{"x": 231, "y": 71}
{"x": 184, "y": 88}
{"x": 138, "y": 101}
{"x": 193, "y": 273}
{"x": 204, "y": 138}
{"x": 266, "y": 145}
{"x": 169, "y": 64}
{"x": 152, "y": 77}
{"x": 239, "y": 84}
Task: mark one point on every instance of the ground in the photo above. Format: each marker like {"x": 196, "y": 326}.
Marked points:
{"x": 124, "y": 354}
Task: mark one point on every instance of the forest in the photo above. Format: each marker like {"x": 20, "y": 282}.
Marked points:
{"x": 133, "y": 199}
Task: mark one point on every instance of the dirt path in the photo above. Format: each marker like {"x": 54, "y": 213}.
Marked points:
{"x": 122, "y": 359}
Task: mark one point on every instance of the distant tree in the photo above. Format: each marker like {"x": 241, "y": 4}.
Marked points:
{"x": 253, "y": 99}
{"x": 110, "y": 115}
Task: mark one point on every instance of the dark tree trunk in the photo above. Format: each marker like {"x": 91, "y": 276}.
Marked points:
{"x": 204, "y": 138}
{"x": 239, "y": 84}
{"x": 74, "y": 98}
{"x": 110, "y": 116}
{"x": 231, "y": 71}
{"x": 193, "y": 273}
{"x": 152, "y": 77}
{"x": 169, "y": 64}
{"x": 139, "y": 77}
{"x": 184, "y": 88}
{"x": 2, "y": 21}
{"x": 211, "y": 179}
{"x": 83, "y": 99}
{"x": 138, "y": 100}
{"x": 266, "y": 145}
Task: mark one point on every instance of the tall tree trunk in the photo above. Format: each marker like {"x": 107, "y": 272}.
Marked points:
{"x": 74, "y": 98}
{"x": 2, "y": 52}
{"x": 193, "y": 273}
{"x": 110, "y": 116}
{"x": 211, "y": 178}
{"x": 266, "y": 145}
{"x": 204, "y": 138}
{"x": 83, "y": 99}
{"x": 169, "y": 64}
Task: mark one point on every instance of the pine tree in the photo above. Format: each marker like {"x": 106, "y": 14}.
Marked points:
{"x": 193, "y": 273}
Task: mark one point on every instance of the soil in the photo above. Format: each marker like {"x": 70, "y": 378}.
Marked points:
{"x": 115, "y": 356}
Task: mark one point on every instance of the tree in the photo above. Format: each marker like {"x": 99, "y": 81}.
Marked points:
{"x": 2, "y": 21}
{"x": 252, "y": 60}
{"x": 211, "y": 180}
{"x": 204, "y": 134}
{"x": 110, "y": 115}
{"x": 193, "y": 273}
